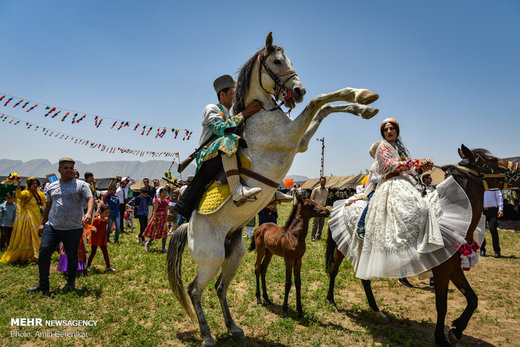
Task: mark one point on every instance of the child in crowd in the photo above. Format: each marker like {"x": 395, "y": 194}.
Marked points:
{"x": 129, "y": 218}
{"x": 111, "y": 199}
{"x": 7, "y": 216}
{"x": 140, "y": 204}
{"x": 158, "y": 226}
{"x": 82, "y": 253}
{"x": 98, "y": 236}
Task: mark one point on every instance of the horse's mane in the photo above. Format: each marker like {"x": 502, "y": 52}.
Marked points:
{"x": 244, "y": 78}
{"x": 292, "y": 215}
{"x": 481, "y": 151}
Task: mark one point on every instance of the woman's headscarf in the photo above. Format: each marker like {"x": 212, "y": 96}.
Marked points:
{"x": 29, "y": 181}
{"x": 399, "y": 145}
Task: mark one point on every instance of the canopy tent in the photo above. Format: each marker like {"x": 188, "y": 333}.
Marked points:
{"x": 335, "y": 182}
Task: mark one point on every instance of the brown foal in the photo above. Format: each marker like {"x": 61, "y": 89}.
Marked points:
{"x": 287, "y": 242}
{"x": 477, "y": 170}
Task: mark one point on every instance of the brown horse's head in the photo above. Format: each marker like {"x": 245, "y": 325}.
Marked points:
{"x": 311, "y": 208}
{"x": 496, "y": 172}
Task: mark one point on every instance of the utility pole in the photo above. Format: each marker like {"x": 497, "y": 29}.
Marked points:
{"x": 322, "y": 170}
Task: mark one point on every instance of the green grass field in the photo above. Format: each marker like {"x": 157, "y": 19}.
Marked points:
{"x": 135, "y": 307}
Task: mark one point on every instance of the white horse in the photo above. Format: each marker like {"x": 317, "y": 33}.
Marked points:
{"x": 273, "y": 138}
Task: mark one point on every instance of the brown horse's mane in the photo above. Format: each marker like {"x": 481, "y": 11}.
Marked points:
{"x": 244, "y": 78}
{"x": 292, "y": 215}
{"x": 481, "y": 151}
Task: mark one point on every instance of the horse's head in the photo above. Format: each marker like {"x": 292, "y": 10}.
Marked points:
{"x": 272, "y": 72}
{"x": 494, "y": 171}
{"x": 311, "y": 208}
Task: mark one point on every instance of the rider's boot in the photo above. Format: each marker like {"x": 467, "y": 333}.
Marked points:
{"x": 239, "y": 192}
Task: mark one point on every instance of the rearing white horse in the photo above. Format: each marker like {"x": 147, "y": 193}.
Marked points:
{"x": 273, "y": 138}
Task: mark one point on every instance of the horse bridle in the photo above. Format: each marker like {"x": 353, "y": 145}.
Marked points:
{"x": 279, "y": 84}
{"x": 508, "y": 177}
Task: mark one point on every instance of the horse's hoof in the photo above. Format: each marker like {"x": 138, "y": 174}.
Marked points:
{"x": 300, "y": 314}
{"x": 258, "y": 301}
{"x": 369, "y": 112}
{"x": 208, "y": 341}
{"x": 378, "y": 315}
{"x": 366, "y": 97}
{"x": 237, "y": 332}
{"x": 267, "y": 301}
{"x": 452, "y": 338}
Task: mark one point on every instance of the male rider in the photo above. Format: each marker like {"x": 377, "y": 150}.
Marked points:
{"x": 217, "y": 123}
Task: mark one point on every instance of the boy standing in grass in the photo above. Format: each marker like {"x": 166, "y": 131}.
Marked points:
{"x": 141, "y": 203}
{"x": 7, "y": 216}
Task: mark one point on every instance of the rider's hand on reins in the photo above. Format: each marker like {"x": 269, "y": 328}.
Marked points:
{"x": 253, "y": 107}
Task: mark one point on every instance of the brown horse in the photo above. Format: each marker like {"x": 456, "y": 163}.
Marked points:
{"x": 287, "y": 242}
{"x": 477, "y": 171}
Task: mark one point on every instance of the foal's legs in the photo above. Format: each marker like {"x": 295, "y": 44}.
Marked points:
{"x": 229, "y": 270}
{"x": 263, "y": 269}
{"x": 459, "y": 279}
{"x": 289, "y": 264}
{"x": 298, "y": 285}
{"x": 260, "y": 253}
{"x": 441, "y": 277}
{"x": 333, "y": 272}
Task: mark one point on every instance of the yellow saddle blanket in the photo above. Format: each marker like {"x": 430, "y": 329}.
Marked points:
{"x": 217, "y": 194}
{"x": 214, "y": 197}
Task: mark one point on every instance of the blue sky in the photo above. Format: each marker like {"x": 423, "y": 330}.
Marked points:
{"x": 447, "y": 70}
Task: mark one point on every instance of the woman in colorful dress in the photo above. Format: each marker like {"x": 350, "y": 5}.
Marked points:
{"x": 158, "y": 226}
{"x": 25, "y": 241}
{"x": 407, "y": 229}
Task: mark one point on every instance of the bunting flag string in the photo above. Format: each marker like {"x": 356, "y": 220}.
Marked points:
{"x": 82, "y": 141}
{"x": 117, "y": 124}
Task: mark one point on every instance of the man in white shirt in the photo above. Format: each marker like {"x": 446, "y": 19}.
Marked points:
{"x": 320, "y": 195}
{"x": 122, "y": 194}
{"x": 493, "y": 209}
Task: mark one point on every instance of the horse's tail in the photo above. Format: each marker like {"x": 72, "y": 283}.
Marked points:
{"x": 252, "y": 246}
{"x": 329, "y": 253}
{"x": 174, "y": 264}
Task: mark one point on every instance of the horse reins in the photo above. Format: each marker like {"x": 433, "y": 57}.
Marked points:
{"x": 278, "y": 82}
{"x": 279, "y": 87}
{"x": 508, "y": 177}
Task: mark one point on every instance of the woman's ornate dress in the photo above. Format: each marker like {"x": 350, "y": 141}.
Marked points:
{"x": 406, "y": 233}
{"x": 25, "y": 241}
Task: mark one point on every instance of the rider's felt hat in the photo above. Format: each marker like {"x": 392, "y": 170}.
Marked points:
{"x": 223, "y": 82}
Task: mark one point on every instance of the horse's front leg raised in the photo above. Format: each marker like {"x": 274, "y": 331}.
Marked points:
{"x": 360, "y": 96}
{"x": 298, "y": 285}
{"x": 459, "y": 325}
{"x": 366, "y": 112}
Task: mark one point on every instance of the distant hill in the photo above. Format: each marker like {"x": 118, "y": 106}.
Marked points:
{"x": 298, "y": 178}
{"x": 101, "y": 169}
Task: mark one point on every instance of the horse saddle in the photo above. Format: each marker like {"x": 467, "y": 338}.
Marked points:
{"x": 218, "y": 192}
